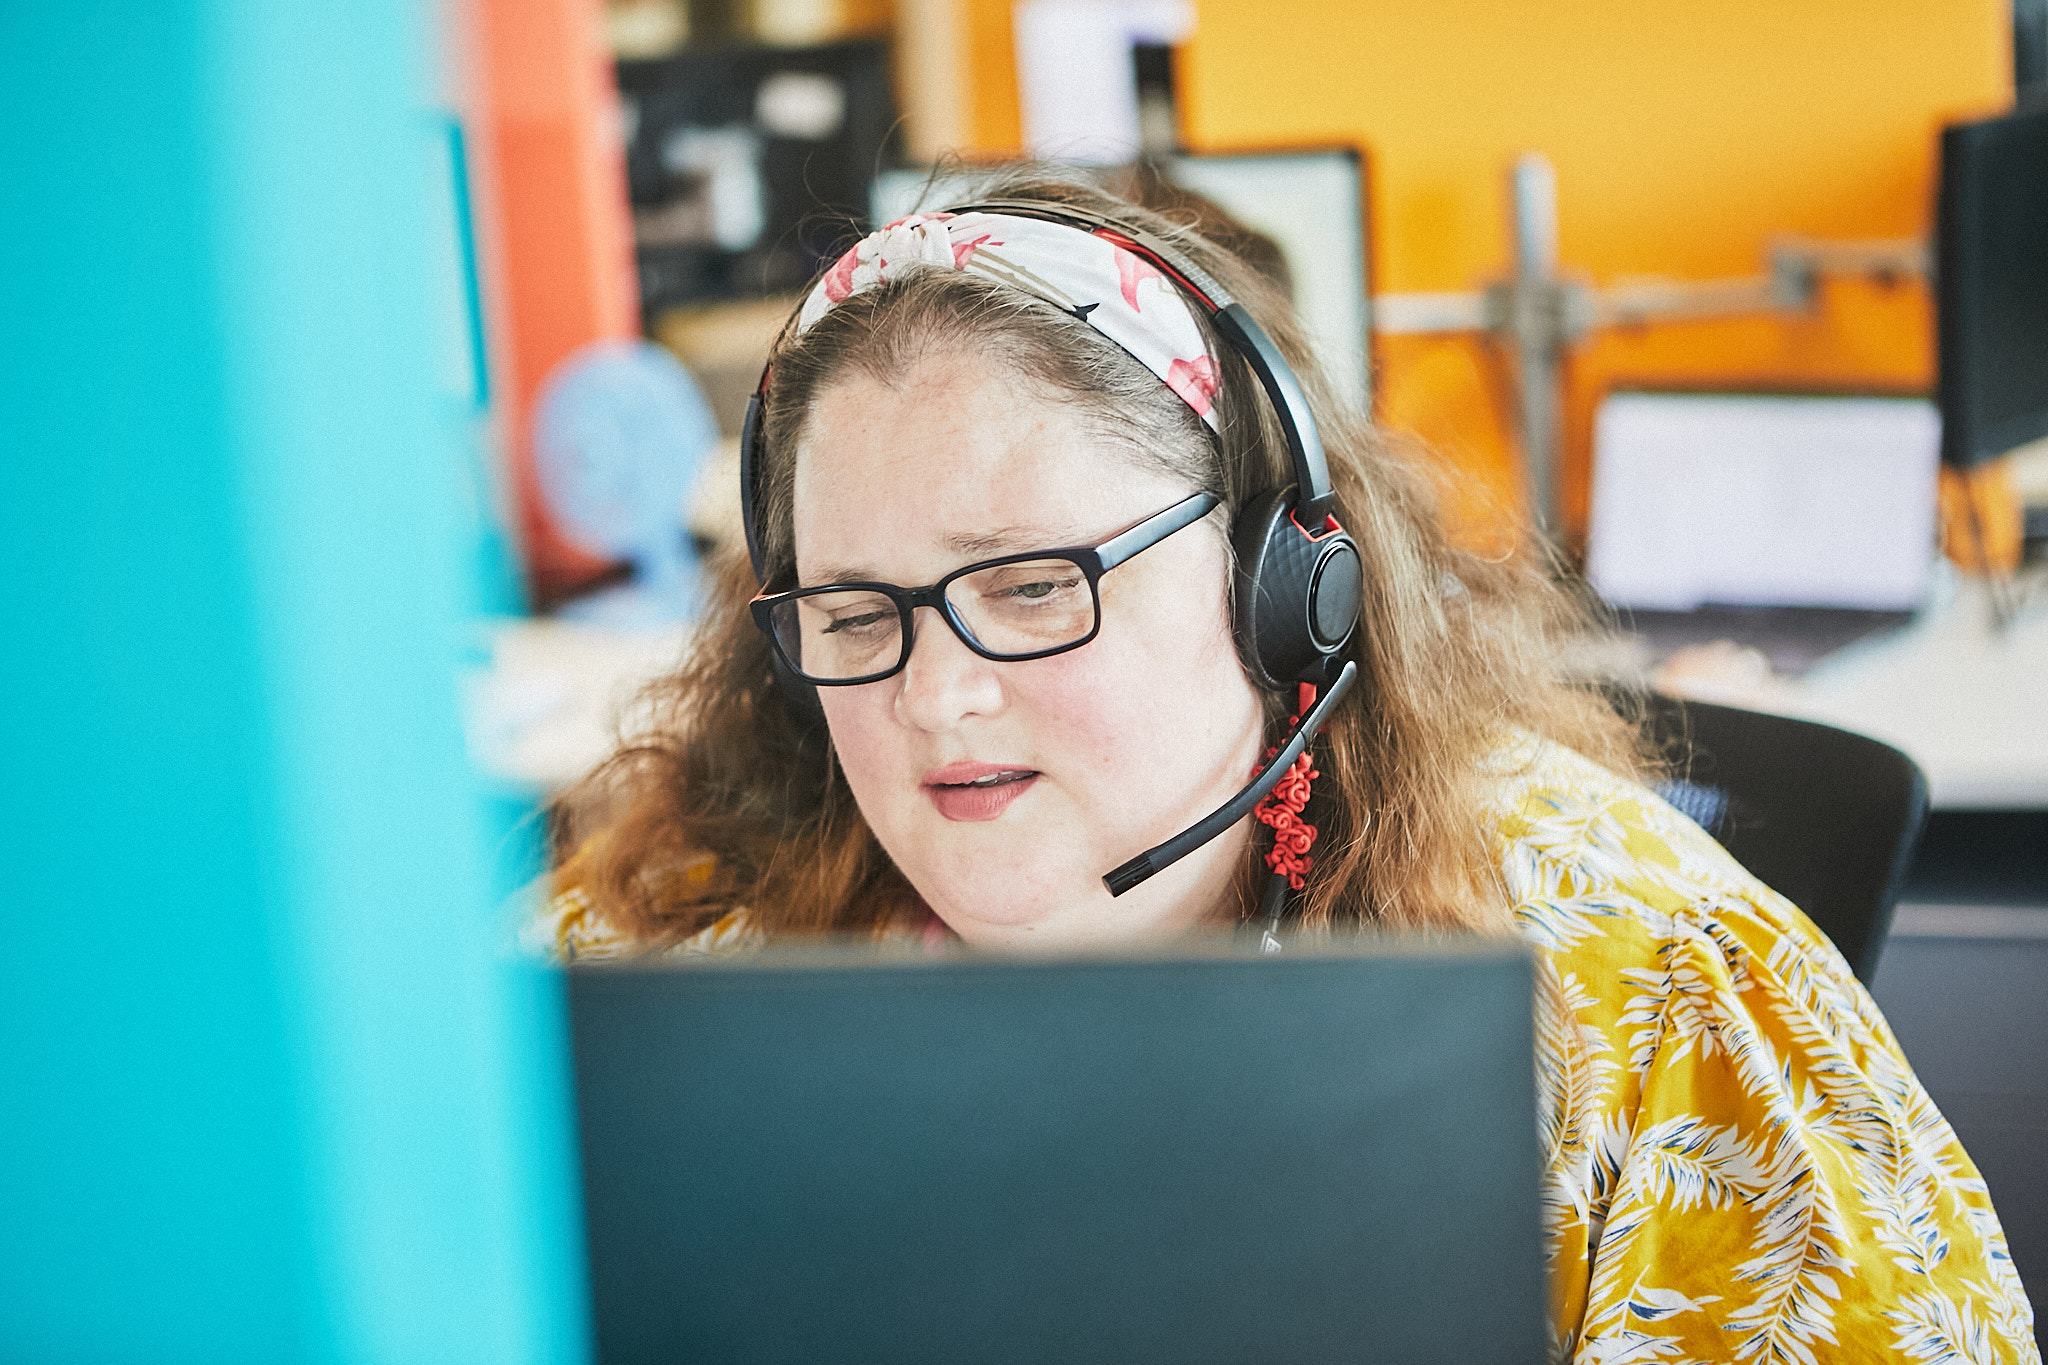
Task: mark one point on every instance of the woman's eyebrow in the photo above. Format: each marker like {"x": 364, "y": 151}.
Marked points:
{"x": 1011, "y": 538}
{"x": 832, "y": 575}
{"x": 980, "y": 545}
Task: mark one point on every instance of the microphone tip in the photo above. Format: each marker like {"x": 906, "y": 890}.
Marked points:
{"x": 1129, "y": 875}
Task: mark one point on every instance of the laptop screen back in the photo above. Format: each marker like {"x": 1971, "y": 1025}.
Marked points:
{"x": 1311, "y": 1158}
{"x": 1763, "y": 500}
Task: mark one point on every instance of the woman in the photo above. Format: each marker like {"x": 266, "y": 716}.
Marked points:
{"x": 1739, "y": 1163}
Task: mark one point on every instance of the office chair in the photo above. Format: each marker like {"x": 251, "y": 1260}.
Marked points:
{"x": 1826, "y": 818}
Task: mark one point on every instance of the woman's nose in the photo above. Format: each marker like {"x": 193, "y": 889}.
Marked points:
{"x": 944, "y": 680}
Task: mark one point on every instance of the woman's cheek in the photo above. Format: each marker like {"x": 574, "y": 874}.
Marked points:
{"x": 871, "y": 748}
{"x": 1090, "y": 712}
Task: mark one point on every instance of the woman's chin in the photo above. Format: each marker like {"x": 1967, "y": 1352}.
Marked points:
{"x": 1013, "y": 910}
{"x": 1001, "y": 875}
{"x": 998, "y": 910}
{"x": 999, "y": 919}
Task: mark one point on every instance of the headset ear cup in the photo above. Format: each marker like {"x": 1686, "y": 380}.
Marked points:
{"x": 1297, "y": 598}
{"x": 1266, "y": 591}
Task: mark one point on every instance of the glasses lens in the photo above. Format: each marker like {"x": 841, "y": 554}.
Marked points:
{"x": 1025, "y": 608}
{"x": 832, "y": 636}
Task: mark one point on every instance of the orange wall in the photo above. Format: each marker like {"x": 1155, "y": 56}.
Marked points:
{"x": 1684, "y": 137}
{"x": 994, "y": 118}
{"x": 556, "y": 230}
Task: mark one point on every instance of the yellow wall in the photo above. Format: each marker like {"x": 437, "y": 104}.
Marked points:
{"x": 1684, "y": 135}
{"x": 994, "y": 117}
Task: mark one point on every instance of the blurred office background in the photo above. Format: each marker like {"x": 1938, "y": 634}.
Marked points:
{"x": 370, "y": 383}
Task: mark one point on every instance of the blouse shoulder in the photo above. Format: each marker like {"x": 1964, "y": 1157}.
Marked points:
{"x": 1739, "y": 1162}
{"x": 1603, "y": 875}
{"x": 564, "y": 923}
{"x": 1574, "y": 839}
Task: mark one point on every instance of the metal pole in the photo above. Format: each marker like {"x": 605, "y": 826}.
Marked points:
{"x": 1539, "y": 314}
{"x": 1535, "y": 329}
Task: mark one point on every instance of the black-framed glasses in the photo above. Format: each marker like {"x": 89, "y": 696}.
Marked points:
{"x": 1022, "y": 606}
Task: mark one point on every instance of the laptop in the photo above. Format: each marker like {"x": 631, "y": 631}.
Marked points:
{"x": 1796, "y": 524}
{"x": 1321, "y": 1156}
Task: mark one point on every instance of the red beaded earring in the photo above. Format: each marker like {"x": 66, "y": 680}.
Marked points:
{"x": 1281, "y": 808}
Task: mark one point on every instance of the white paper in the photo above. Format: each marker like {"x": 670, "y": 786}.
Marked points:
{"x": 1312, "y": 206}
{"x": 1763, "y": 500}
{"x": 1076, "y": 81}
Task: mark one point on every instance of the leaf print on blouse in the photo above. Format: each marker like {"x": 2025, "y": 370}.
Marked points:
{"x": 1574, "y": 1071}
{"x": 1561, "y": 923}
{"x": 1586, "y": 849}
{"x": 1676, "y": 1010}
{"x": 1646, "y": 1304}
{"x": 1678, "y": 1165}
{"x": 2005, "y": 1298}
{"x": 1939, "y": 1331}
{"x": 1739, "y": 1162}
{"x": 1910, "y": 1174}
{"x": 1800, "y": 1267}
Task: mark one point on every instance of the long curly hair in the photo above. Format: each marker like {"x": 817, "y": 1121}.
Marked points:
{"x": 726, "y": 798}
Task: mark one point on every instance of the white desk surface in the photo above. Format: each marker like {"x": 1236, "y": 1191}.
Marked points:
{"x": 1968, "y": 703}
{"x": 551, "y": 701}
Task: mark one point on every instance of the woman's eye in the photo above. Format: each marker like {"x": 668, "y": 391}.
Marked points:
{"x": 1034, "y": 590}
{"x": 861, "y": 622}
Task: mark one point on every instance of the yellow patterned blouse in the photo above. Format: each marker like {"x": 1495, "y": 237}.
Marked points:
{"x": 1739, "y": 1163}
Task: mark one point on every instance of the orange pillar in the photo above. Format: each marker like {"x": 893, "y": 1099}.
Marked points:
{"x": 555, "y": 227}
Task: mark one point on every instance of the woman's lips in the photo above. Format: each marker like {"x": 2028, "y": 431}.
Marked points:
{"x": 976, "y": 791}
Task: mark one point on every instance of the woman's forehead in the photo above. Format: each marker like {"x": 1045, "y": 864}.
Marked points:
{"x": 952, "y": 464}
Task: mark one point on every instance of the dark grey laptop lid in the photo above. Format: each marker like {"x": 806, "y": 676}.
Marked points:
{"x": 1302, "y": 1158}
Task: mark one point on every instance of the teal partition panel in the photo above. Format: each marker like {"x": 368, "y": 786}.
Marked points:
{"x": 272, "y": 1085}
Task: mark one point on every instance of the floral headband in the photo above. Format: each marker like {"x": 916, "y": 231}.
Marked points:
{"x": 1114, "y": 290}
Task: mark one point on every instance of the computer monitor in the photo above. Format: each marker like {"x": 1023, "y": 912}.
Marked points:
{"x": 1991, "y": 285}
{"x": 1310, "y": 203}
{"x": 1733, "y": 499}
{"x": 748, "y": 166}
{"x": 1305, "y": 1158}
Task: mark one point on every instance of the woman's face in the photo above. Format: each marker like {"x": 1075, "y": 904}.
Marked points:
{"x": 1117, "y": 745}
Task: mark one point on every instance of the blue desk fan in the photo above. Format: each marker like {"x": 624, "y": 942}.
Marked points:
{"x": 620, "y": 435}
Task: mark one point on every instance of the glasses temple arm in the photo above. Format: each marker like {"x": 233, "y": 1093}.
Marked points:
{"x": 1154, "y": 529}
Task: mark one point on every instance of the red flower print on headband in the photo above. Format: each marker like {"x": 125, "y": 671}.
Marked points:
{"x": 920, "y": 239}
{"x": 963, "y": 252}
{"x": 1195, "y": 382}
{"x": 1091, "y": 276}
{"x": 838, "y": 281}
{"x": 1131, "y": 271}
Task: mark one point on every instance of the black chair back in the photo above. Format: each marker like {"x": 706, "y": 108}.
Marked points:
{"x": 1826, "y": 818}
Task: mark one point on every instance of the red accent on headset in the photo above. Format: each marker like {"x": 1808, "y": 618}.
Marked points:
{"x": 1280, "y": 809}
{"x": 1116, "y": 238}
{"x": 1330, "y": 525}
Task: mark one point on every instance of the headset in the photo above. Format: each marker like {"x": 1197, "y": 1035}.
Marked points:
{"x": 1299, "y": 579}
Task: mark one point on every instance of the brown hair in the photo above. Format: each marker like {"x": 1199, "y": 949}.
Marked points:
{"x": 1455, "y": 649}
